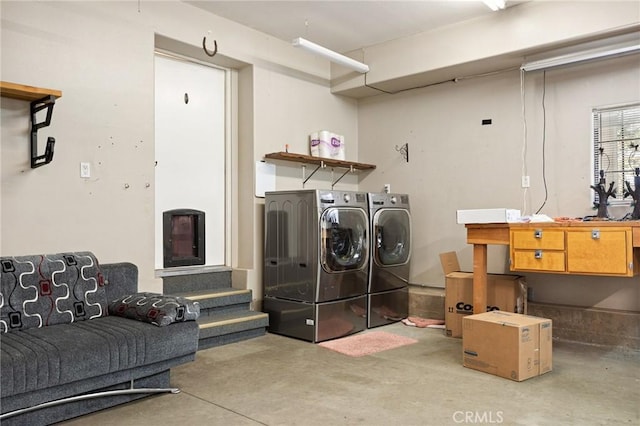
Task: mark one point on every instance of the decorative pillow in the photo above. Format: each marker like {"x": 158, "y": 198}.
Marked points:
{"x": 41, "y": 290}
{"x": 154, "y": 308}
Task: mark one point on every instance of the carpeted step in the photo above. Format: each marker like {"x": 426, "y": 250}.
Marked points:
{"x": 223, "y": 328}
{"x": 225, "y": 312}
{"x": 180, "y": 282}
{"x": 220, "y": 300}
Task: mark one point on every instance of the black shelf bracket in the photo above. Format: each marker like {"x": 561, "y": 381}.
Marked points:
{"x": 349, "y": 170}
{"x": 304, "y": 169}
{"x": 37, "y": 106}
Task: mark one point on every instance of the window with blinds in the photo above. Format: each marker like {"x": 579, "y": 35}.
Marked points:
{"x": 616, "y": 145}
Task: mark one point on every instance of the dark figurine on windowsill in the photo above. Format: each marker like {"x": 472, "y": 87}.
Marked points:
{"x": 635, "y": 194}
{"x": 603, "y": 196}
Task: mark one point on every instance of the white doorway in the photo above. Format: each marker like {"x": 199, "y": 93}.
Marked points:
{"x": 190, "y": 149}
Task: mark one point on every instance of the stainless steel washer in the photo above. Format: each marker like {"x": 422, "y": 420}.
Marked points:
{"x": 316, "y": 263}
{"x": 390, "y": 225}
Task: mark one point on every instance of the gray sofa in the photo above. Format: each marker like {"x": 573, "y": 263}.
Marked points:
{"x": 75, "y": 337}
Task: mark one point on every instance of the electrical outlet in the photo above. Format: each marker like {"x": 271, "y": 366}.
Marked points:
{"x": 526, "y": 183}
{"x": 387, "y": 188}
{"x": 85, "y": 170}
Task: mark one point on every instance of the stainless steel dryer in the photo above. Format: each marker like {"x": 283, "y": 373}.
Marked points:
{"x": 388, "y": 296}
{"x": 316, "y": 263}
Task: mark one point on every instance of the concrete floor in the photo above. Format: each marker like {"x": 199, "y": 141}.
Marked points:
{"x": 275, "y": 380}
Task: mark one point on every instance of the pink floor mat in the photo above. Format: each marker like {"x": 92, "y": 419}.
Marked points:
{"x": 367, "y": 343}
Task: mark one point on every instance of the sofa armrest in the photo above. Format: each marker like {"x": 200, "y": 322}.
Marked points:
{"x": 121, "y": 279}
{"x": 154, "y": 308}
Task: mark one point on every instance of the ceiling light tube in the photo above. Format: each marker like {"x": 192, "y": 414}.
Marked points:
{"x": 579, "y": 57}
{"x": 331, "y": 55}
{"x": 494, "y": 5}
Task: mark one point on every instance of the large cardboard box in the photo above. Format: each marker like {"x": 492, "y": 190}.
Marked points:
{"x": 507, "y": 344}
{"x": 504, "y": 292}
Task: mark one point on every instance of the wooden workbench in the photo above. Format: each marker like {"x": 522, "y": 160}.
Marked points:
{"x": 574, "y": 247}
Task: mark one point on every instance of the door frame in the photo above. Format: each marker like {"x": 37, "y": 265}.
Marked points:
{"x": 229, "y": 136}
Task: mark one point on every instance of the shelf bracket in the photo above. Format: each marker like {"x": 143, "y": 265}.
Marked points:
{"x": 349, "y": 170}
{"x": 36, "y": 106}
{"x": 304, "y": 168}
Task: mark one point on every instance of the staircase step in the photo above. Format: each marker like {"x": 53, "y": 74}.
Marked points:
{"x": 220, "y": 299}
{"x": 205, "y": 280}
{"x": 225, "y": 312}
{"x": 215, "y": 324}
{"x": 223, "y": 328}
{"x": 426, "y": 302}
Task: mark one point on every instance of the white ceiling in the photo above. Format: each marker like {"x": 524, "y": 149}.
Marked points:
{"x": 346, "y": 25}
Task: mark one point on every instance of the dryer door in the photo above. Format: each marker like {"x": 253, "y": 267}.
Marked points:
{"x": 392, "y": 237}
{"x": 344, "y": 245}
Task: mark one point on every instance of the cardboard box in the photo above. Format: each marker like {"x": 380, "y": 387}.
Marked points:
{"x": 507, "y": 344}
{"x": 487, "y": 216}
{"x": 504, "y": 292}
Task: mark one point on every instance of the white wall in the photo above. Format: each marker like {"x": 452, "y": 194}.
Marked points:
{"x": 304, "y": 107}
{"x": 495, "y": 41}
{"x": 100, "y": 54}
{"x": 104, "y": 67}
{"x": 457, "y": 163}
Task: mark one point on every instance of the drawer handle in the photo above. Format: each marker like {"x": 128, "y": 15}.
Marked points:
{"x": 595, "y": 234}
{"x": 537, "y": 254}
{"x": 537, "y": 233}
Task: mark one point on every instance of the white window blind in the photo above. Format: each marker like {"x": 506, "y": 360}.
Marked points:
{"x": 616, "y": 144}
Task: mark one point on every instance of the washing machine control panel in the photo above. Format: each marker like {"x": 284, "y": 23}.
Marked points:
{"x": 336, "y": 198}
{"x": 393, "y": 199}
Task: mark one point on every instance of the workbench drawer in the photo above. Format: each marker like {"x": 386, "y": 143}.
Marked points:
{"x": 538, "y": 260}
{"x": 550, "y": 239}
{"x": 601, "y": 252}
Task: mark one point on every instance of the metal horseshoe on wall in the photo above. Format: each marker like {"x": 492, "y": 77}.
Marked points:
{"x": 204, "y": 46}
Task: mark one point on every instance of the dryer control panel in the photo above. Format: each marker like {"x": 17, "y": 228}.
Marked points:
{"x": 379, "y": 200}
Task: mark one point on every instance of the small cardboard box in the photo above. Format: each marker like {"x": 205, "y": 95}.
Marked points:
{"x": 504, "y": 292}
{"x": 487, "y": 216}
{"x": 507, "y": 344}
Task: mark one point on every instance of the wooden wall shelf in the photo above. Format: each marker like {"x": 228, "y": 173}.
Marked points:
{"x": 308, "y": 159}
{"x": 40, "y": 100}
{"x": 26, "y": 93}
{"x": 319, "y": 162}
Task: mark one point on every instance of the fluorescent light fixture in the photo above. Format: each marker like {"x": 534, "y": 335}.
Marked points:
{"x": 331, "y": 55}
{"x": 494, "y": 5}
{"x": 579, "y": 57}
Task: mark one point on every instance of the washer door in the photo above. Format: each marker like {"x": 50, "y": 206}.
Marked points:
{"x": 344, "y": 245}
{"x": 392, "y": 237}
